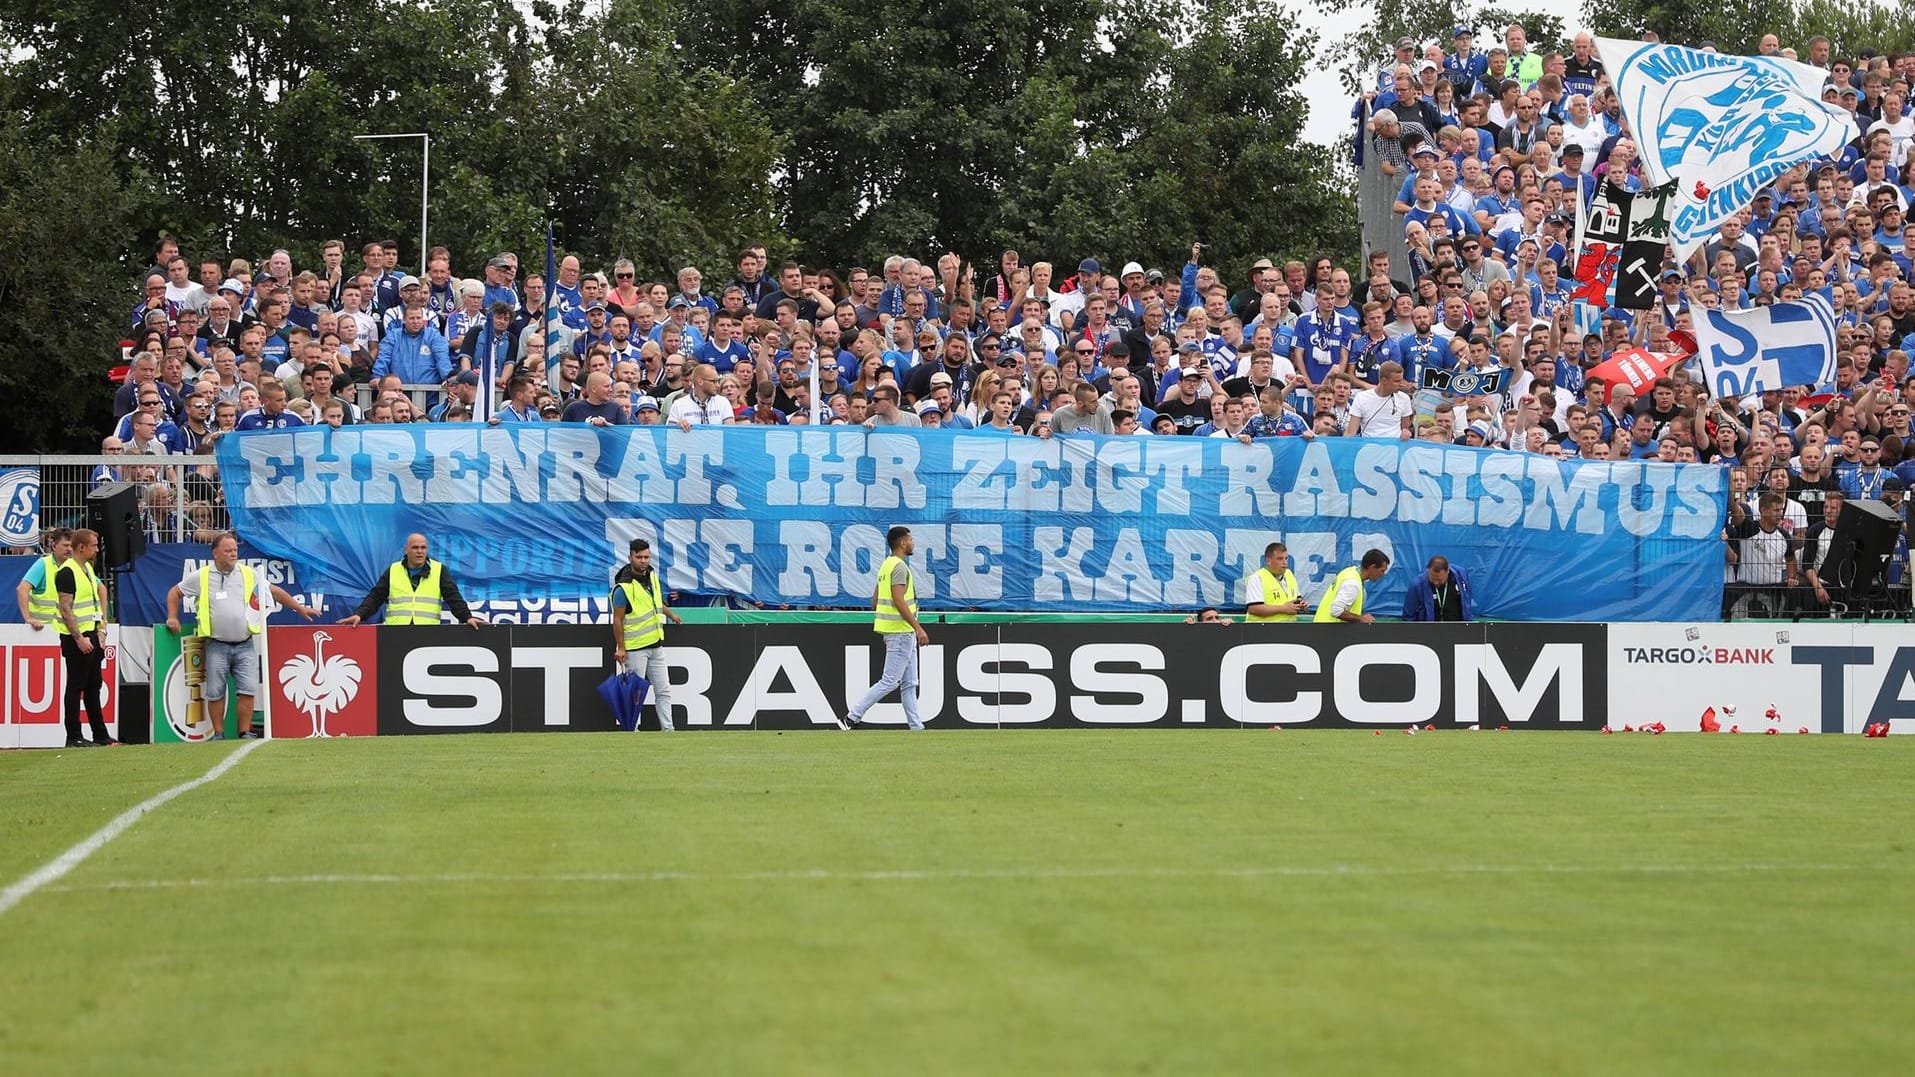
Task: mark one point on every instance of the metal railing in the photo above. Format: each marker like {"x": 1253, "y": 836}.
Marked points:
{"x": 181, "y": 498}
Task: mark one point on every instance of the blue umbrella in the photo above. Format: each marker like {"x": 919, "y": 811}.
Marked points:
{"x": 624, "y": 693}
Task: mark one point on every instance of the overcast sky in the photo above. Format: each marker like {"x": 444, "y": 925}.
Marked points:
{"x": 1330, "y": 105}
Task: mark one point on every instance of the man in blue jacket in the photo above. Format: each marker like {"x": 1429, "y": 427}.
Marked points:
{"x": 1441, "y": 593}
{"x": 417, "y": 353}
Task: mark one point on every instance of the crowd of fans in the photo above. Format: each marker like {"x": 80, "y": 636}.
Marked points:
{"x": 1489, "y": 149}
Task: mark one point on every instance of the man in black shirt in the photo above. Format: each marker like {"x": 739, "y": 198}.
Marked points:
{"x": 1184, "y": 407}
{"x": 1815, "y": 483}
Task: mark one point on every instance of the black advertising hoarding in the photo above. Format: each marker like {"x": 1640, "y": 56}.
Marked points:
{"x": 1027, "y": 675}
{"x": 444, "y": 679}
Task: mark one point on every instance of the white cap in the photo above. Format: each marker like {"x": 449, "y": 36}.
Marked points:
{"x": 234, "y": 286}
{"x": 1131, "y": 267}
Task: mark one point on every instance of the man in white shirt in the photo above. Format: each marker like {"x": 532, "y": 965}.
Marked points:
{"x": 1383, "y": 411}
{"x": 702, "y": 406}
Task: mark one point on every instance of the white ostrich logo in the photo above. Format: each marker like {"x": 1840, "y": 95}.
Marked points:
{"x": 320, "y": 686}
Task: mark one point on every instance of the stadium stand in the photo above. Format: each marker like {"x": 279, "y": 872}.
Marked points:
{"x": 1486, "y": 150}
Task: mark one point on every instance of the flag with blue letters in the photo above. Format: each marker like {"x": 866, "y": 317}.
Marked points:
{"x": 1720, "y": 127}
{"x": 1767, "y": 348}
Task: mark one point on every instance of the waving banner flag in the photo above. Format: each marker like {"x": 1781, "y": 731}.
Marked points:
{"x": 1599, "y": 243}
{"x": 1486, "y": 382}
{"x": 1642, "y": 250}
{"x": 1720, "y": 127}
{"x": 1766, "y": 348}
{"x": 1637, "y": 368}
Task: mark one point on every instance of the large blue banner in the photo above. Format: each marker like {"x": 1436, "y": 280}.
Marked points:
{"x": 796, "y": 517}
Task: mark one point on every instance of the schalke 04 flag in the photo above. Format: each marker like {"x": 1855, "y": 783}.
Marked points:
{"x": 1767, "y": 348}
{"x": 1720, "y": 127}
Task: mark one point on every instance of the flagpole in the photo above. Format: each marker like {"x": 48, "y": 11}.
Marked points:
{"x": 551, "y": 303}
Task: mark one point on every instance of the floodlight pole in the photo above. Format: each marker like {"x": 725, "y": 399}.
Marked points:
{"x": 425, "y": 182}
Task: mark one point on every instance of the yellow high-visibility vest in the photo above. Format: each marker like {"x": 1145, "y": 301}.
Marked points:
{"x": 406, "y": 605}
{"x": 205, "y": 614}
{"x": 644, "y": 614}
{"x": 87, "y": 600}
{"x": 1354, "y": 572}
{"x": 44, "y": 604}
{"x": 1277, "y": 590}
{"x": 887, "y": 618}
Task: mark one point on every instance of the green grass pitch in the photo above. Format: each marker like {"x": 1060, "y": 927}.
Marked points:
{"x": 966, "y": 903}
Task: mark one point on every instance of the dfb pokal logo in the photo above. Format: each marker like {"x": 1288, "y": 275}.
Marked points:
{"x": 320, "y": 685}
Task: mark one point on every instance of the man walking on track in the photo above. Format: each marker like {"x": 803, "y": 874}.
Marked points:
{"x": 895, "y": 617}
{"x": 414, "y": 590}
{"x": 638, "y": 625}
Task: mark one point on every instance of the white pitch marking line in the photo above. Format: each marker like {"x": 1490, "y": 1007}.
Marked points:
{"x": 60, "y": 865}
{"x": 824, "y": 875}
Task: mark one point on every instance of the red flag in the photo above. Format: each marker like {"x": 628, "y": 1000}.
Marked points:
{"x": 1635, "y": 367}
{"x": 1709, "y": 723}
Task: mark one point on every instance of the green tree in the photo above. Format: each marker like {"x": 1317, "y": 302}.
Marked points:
{"x": 1064, "y": 127}
{"x": 1359, "y": 56}
{"x": 65, "y": 215}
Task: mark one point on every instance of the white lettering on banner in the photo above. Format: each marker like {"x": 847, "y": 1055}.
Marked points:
{"x": 1091, "y": 667}
{"x": 1642, "y": 514}
{"x": 894, "y": 482}
{"x": 1127, "y": 576}
{"x": 1193, "y": 578}
{"x": 852, "y": 469}
{"x": 1577, "y": 504}
{"x": 557, "y": 663}
{"x": 979, "y": 575}
{"x": 991, "y": 678}
{"x": 1233, "y": 684}
{"x": 423, "y": 684}
{"x": 808, "y": 551}
{"x": 1560, "y": 664}
{"x": 1316, "y": 493}
{"x": 760, "y": 694}
{"x": 1426, "y": 683}
{"x": 1422, "y": 497}
{"x": 832, "y": 460}
{"x": 690, "y": 697}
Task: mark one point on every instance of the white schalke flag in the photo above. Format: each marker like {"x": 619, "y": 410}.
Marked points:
{"x": 1721, "y": 127}
{"x": 1767, "y": 348}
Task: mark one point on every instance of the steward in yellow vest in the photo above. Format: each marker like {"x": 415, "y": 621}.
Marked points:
{"x": 82, "y": 644}
{"x": 414, "y": 591}
{"x": 39, "y": 602}
{"x": 1345, "y": 600}
{"x": 1271, "y": 593}
{"x": 638, "y": 626}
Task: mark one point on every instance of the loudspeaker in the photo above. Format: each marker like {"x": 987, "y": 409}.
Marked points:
{"x": 1864, "y": 538}
{"x": 113, "y": 510}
